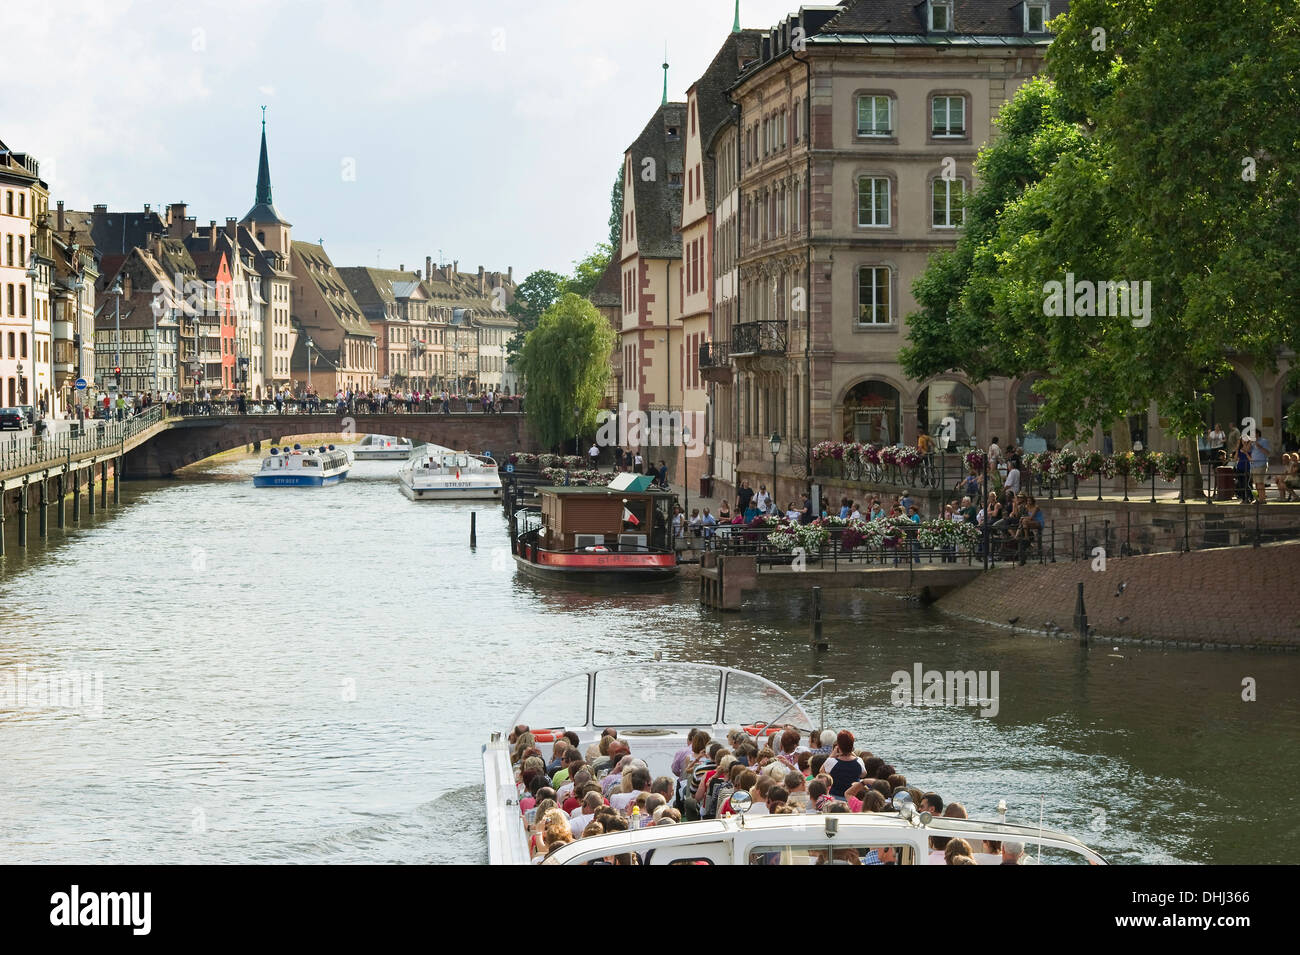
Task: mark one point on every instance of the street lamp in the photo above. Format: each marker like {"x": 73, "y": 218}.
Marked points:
{"x": 309, "y": 347}
{"x": 34, "y": 273}
{"x": 686, "y": 478}
{"x": 774, "y": 443}
{"x": 117, "y": 331}
{"x": 78, "y": 286}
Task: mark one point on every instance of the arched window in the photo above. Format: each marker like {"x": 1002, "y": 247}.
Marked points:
{"x": 872, "y": 413}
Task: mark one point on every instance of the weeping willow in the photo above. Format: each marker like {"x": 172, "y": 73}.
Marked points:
{"x": 565, "y": 363}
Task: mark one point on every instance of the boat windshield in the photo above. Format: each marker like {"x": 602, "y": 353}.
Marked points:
{"x": 661, "y": 695}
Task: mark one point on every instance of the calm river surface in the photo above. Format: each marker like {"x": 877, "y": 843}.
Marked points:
{"x": 231, "y": 626}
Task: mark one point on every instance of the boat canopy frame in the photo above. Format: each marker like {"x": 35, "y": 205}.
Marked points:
{"x": 725, "y": 674}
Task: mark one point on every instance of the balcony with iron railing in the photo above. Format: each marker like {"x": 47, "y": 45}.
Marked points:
{"x": 715, "y": 361}
{"x": 759, "y": 338}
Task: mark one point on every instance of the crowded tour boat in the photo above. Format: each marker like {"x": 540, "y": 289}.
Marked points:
{"x": 303, "y": 467}
{"x": 383, "y": 447}
{"x": 694, "y": 764}
{"x": 439, "y": 474}
{"x": 618, "y": 533}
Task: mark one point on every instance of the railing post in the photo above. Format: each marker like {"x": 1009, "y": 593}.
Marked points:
{"x": 90, "y": 489}
{"x": 63, "y": 489}
{"x": 3, "y": 491}
{"x": 103, "y": 483}
{"x": 76, "y": 495}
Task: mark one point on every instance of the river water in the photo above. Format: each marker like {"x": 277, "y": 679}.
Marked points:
{"x": 308, "y": 676}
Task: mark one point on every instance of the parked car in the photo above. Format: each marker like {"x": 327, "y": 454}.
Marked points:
{"x": 29, "y": 412}
{"x": 12, "y": 418}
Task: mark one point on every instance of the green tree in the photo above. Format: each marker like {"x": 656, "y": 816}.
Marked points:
{"x": 533, "y": 297}
{"x": 566, "y": 362}
{"x": 587, "y": 272}
{"x": 616, "y": 212}
{"x": 1116, "y": 175}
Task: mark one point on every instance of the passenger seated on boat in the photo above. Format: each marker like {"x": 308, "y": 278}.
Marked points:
{"x": 664, "y": 786}
{"x": 601, "y": 746}
{"x": 666, "y": 816}
{"x": 556, "y": 832}
{"x": 954, "y": 810}
{"x": 706, "y": 793}
{"x": 578, "y": 822}
{"x": 958, "y": 847}
{"x": 787, "y": 744}
{"x": 819, "y": 795}
{"x": 566, "y": 767}
{"x": 557, "y": 754}
{"x": 653, "y": 803}
{"x": 815, "y": 764}
{"x": 797, "y": 787}
{"x": 537, "y": 784}
{"x": 568, "y": 795}
{"x": 820, "y": 744}
{"x": 681, "y": 757}
{"x": 872, "y": 801}
{"x": 549, "y": 821}
{"x": 1013, "y": 853}
{"x": 746, "y": 779}
{"x": 931, "y": 803}
{"x": 635, "y": 782}
{"x": 533, "y": 767}
{"x": 777, "y": 796}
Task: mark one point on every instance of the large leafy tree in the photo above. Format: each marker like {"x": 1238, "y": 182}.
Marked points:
{"x": 566, "y": 362}
{"x": 1163, "y": 155}
{"x": 533, "y": 297}
{"x": 587, "y": 271}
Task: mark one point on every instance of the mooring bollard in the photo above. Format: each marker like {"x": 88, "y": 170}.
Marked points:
{"x": 117, "y": 477}
{"x": 817, "y": 619}
{"x": 76, "y": 494}
{"x": 63, "y": 487}
{"x": 473, "y": 529}
{"x": 1081, "y": 618}
{"x": 90, "y": 489}
{"x": 44, "y": 504}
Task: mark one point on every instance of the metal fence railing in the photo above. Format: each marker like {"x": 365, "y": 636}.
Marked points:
{"x": 456, "y": 406}
{"x": 30, "y": 452}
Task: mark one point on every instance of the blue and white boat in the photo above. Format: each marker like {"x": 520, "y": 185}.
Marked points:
{"x": 303, "y": 467}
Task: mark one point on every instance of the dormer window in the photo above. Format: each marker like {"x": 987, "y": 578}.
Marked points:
{"x": 1036, "y": 16}
{"x": 940, "y": 16}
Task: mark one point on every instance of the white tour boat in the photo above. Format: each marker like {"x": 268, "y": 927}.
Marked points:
{"x": 652, "y": 706}
{"x": 303, "y": 467}
{"x": 383, "y": 447}
{"x": 437, "y": 474}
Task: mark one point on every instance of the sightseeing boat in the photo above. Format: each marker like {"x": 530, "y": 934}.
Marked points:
{"x": 383, "y": 447}
{"x": 438, "y": 474}
{"x": 617, "y": 533}
{"x": 303, "y": 467}
{"x": 652, "y": 706}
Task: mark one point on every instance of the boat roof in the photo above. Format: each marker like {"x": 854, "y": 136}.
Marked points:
{"x": 873, "y": 826}
{"x": 560, "y": 491}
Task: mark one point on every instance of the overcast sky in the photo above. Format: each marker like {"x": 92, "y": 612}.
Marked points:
{"x": 491, "y": 130}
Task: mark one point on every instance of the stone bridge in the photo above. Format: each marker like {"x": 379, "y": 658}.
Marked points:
{"x": 186, "y": 440}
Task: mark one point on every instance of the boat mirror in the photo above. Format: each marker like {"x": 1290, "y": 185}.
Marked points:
{"x": 925, "y": 818}
{"x": 902, "y": 800}
{"x": 741, "y": 802}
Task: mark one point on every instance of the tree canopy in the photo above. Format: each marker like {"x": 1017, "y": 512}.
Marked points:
{"x": 533, "y": 297}
{"x": 565, "y": 360}
{"x": 1163, "y": 153}
{"x": 587, "y": 271}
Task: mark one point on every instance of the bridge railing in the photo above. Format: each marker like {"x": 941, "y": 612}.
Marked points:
{"x": 31, "y": 452}
{"x": 457, "y": 406}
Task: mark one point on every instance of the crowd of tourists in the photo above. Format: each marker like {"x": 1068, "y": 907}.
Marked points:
{"x": 568, "y": 793}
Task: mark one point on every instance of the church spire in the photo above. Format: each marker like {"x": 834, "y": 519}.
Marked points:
{"x": 735, "y": 26}
{"x": 665, "y": 99}
{"x": 263, "y": 208}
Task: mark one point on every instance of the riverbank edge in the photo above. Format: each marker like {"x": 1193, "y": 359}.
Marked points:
{"x": 1197, "y": 600}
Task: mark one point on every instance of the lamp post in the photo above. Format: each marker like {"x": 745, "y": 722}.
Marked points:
{"x": 77, "y": 286}
{"x": 774, "y": 443}
{"x": 34, "y": 273}
{"x": 117, "y": 332}
{"x": 309, "y": 347}
{"x": 686, "y": 479}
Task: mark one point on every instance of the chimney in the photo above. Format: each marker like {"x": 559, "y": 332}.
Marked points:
{"x": 146, "y": 208}
{"x": 428, "y": 267}
{"x": 176, "y": 220}
{"x": 510, "y": 274}
{"x": 212, "y": 235}
{"x": 455, "y": 267}
{"x": 60, "y": 216}
{"x": 232, "y": 226}
{"x": 101, "y": 209}
{"x": 480, "y": 280}
{"x": 402, "y": 267}
{"x": 126, "y": 284}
